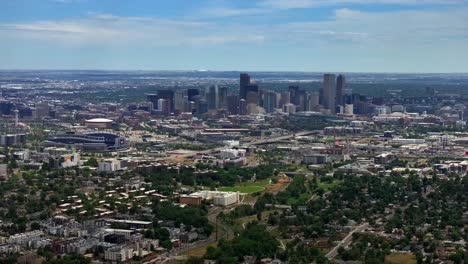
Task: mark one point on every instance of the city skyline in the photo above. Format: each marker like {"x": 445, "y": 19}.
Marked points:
{"x": 271, "y": 35}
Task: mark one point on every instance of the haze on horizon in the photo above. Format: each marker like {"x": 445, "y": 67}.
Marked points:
{"x": 266, "y": 35}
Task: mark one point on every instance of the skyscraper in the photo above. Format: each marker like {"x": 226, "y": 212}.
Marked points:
{"x": 222, "y": 97}
{"x": 252, "y": 97}
{"x": 244, "y": 81}
{"x": 340, "y": 89}
{"x": 169, "y": 96}
{"x": 179, "y": 101}
{"x": 329, "y": 92}
{"x": 251, "y": 88}
{"x": 270, "y": 100}
{"x": 242, "y": 107}
{"x": 312, "y": 101}
{"x": 233, "y": 104}
{"x": 192, "y": 93}
{"x": 292, "y": 93}
{"x": 212, "y": 97}
{"x": 163, "y": 106}
{"x": 285, "y": 98}
{"x": 153, "y": 98}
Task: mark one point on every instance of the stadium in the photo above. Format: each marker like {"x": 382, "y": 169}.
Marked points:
{"x": 89, "y": 142}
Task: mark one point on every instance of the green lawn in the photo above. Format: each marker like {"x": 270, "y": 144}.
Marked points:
{"x": 247, "y": 187}
{"x": 243, "y": 189}
{"x": 329, "y": 185}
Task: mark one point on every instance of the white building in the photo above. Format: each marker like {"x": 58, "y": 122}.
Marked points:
{"x": 349, "y": 109}
{"x": 109, "y": 165}
{"x": 232, "y": 153}
{"x": 219, "y": 198}
{"x": 289, "y": 108}
{"x": 118, "y": 253}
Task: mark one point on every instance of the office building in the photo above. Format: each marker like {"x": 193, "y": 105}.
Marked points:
{"x": 292, "y": 94}
{"x": 222, "y": 97}
{"x": 179, "y": 101}
{"x": 42, "y": 110}
{"x": 169, "y": 96}
{"x": 313, "y": 100}
{"x": 340, "y": 89}
{"x": 285, "y": 98}
{"x": 233, "y": 104}
{"x": 289, "y": 108}
{"x": 192, "y": 93}
{"x": 329, "y": 92}
{"x": 244, "y": 81}
{"x": 152, "y": 98}
{"x": 270, "y": 101}
{"x": 242, "y": 107}
{"x": 212, "y": 97}
{"x": 163, "y": 106}
{"x": 252, "y": 98}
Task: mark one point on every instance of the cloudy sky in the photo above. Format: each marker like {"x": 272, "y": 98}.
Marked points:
{"x": 270, "y": 35}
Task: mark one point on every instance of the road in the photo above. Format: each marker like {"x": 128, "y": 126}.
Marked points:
{"x": 346, "y": 241}
{"x": 275, "y": 139}
{"x": 223, "y": 231}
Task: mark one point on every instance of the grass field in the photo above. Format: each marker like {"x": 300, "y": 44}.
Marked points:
{"x": 329, "y": 185}
{"x": 200, "y": 252}
{"x": 242, "y": 189}
{"x": 247, "y": 187}
{"x": 398, "y": 258}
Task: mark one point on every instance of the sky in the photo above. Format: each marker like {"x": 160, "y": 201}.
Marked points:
{"x": 264, "y": 35}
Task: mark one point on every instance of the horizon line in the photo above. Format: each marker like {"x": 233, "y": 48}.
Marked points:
{"x": 239, "y": 71}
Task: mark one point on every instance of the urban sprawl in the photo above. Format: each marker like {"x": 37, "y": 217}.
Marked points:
{"x": 191, "y": 168}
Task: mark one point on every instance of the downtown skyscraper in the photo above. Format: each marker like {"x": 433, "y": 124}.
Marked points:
{"x": 329, "y": 92}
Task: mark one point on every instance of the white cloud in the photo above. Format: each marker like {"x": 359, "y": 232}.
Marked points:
{"x": 407, "y": 30}
{"x": 228, "y": 12}
{"x": 108, "y": 29}
{"x": 292, "y": 4}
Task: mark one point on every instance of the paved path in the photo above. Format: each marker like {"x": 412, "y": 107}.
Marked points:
{"x": 346, "y": 241}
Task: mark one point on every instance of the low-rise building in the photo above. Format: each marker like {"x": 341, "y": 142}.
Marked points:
{"x": 118, "y": 253}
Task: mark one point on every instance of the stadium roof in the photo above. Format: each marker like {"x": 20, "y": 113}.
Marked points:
{"x": 99, "y": 120}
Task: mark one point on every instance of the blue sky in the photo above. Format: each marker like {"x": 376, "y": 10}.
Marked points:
{"x": 264, "y": 35}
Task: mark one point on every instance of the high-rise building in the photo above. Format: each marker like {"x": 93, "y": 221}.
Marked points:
{"x": 284, "y": 99}
{"x": 289, "y": 108}
{"x": 192, "y": 93}
{"x": 153, "y": 98}
{"x": 212, "y": 97}
{"x": 6, "y": 107}
{"x": 329, "y": 92}
{"x": 242, "y": 107}
{"x": 233, "y": 104}
{"x": 312, "y": 101}
{"x": 179, "y": 101}
{"x": 251, "y": 88}
{"x": 340, "y": 89}
{"x": 270, "y": 100}
{"x": 244, "y": 81}
{"x": 42, "y": 109}
{"x": 301, "y": 99}
{"x": 252, "y": 97}
{"x": 292, "y": 93}
{"x": 169, "y": 96}
{"x": 163, "y": 106}
{"x": 222, "y": 97}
